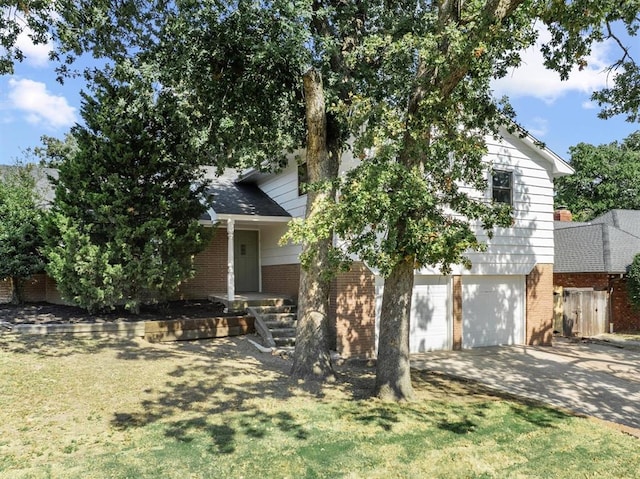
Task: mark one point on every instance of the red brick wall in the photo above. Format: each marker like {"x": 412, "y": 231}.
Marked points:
{"x": 624, "y": 316}
{"x": 353, "y": 304}
{"x": 598, "y": 281}
{"x": 281, "y": 279}
{"x": 211, "y": 270}
{"x": 539, "y": 315}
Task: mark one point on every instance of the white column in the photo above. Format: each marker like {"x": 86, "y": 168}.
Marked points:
{"x": 231, "y": 281}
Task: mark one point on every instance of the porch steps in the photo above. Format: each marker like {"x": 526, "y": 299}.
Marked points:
{"x": 242, "y": 302}
{"x": 276, "y": 325}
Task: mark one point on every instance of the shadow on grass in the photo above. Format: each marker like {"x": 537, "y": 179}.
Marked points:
{"x": 64, "y": 345}
{"x": 193, "y": 401}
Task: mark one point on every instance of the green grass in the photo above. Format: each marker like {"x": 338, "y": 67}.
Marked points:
{"x": 216, "y": 409}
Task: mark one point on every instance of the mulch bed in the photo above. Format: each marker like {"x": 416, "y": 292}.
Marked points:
{"x": 46, "y": 313}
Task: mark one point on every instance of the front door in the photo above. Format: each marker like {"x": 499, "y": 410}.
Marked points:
{"x": 246, "y": 261}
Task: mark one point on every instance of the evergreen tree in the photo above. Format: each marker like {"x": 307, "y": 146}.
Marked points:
{"x": 124, "y": 224}
{"x": 20, "y": 219}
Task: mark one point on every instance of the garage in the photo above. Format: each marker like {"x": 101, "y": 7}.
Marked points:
{"x": 493, "y": 310}
{"x": 431, "y": 315}
{"x": 431, "y": 327}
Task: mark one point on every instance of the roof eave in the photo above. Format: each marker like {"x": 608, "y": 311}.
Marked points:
{"x": 559, "y": 167}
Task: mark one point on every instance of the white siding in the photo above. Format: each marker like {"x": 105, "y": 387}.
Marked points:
{"x": 517, "y": 249}
{"x": 271, "y": 253}
{"x": 283, "y": 189}
{"x": 513, "y": 250}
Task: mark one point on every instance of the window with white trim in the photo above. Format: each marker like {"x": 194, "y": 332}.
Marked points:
{"x": 502, "y": 187}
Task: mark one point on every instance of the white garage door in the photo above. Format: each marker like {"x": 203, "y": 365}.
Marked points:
{"x": 431, "y": 327}
{"x": 431, "y": 318}
{"x": 493, "y": 310}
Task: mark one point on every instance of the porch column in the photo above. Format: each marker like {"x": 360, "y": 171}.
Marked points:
{"x": 231, "y": 282}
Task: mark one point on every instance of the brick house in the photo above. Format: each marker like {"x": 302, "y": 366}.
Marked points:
{"x": 506, "y": 297}
{"x": 595, "y": 256}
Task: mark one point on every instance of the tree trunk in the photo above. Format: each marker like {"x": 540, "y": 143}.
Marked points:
{"x": 16, "y": 293}
{"x": 393, "y": 375}
{"x": 312, "y": 359}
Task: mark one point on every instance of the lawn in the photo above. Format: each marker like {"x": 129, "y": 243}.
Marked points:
{"x": 98, "y": 408}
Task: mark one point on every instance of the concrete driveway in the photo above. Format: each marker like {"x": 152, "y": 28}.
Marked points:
{"x": 593, "y": 379}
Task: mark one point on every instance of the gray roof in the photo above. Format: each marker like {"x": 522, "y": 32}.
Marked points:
{"x": 626, "y": 220}
{"x": 44, "y": 187}
{"x": 604, "y": 245}
{"x": 233, "y": 198}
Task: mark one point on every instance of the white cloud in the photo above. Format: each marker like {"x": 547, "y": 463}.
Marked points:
{"x": 532, "y": 79}
{"x": 589, "y": 105}
{"x": 36, "y": 55}
{"x": 538, "y": 127}
{"x": 40, "y": 106}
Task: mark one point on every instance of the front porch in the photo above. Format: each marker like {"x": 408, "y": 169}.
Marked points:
{"x": 242, "y": 301}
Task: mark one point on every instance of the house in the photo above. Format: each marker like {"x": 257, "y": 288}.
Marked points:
{"x": 506, "y": 297}
{"x": 592, "y": 261}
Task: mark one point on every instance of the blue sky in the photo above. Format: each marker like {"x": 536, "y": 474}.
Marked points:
{"x": 558, "y": 113}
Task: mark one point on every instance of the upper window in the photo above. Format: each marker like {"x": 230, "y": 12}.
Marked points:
{"x": 303, "y": 179}
{"x": 502, "y": 186}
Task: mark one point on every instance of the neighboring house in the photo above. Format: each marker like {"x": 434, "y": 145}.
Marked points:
{"x": 506, "y": 297}
{"x": 592, "y": 261}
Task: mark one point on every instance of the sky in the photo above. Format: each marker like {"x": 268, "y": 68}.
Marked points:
{"x": 558, "y": 113}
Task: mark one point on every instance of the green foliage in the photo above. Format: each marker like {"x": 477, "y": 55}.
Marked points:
{"x": 20, "y": 219}
{"x": 54, "y": 151}
{"x": 633, "y": 282}
{"x": 124, "y": 226}
{"x": 606, "y": 178}
{"x": 31, "y": 18}
{"x": 409, "y": 81}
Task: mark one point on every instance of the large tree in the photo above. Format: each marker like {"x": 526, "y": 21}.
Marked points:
{"x": 408, "y": 80}
{"x": 123, "y": 228}
{"x": 606, "y": 177}
{"x": 20, "y": 220}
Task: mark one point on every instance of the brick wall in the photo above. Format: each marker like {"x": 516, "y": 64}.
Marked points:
{"x": 34, "y": 290}
{"x": 598, "y": 281}
{"x": 624, "y": 316}
{"x": 353, "y": 304}
{"x": 539, "y": 314}
{"x": 40, "y": 288}
{"x": 281, "y": 279}
{"x": 211, "y": 270}
{"x": 5, "y": 290}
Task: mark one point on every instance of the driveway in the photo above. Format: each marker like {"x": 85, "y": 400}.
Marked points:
{"x": 597, "y": 380}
